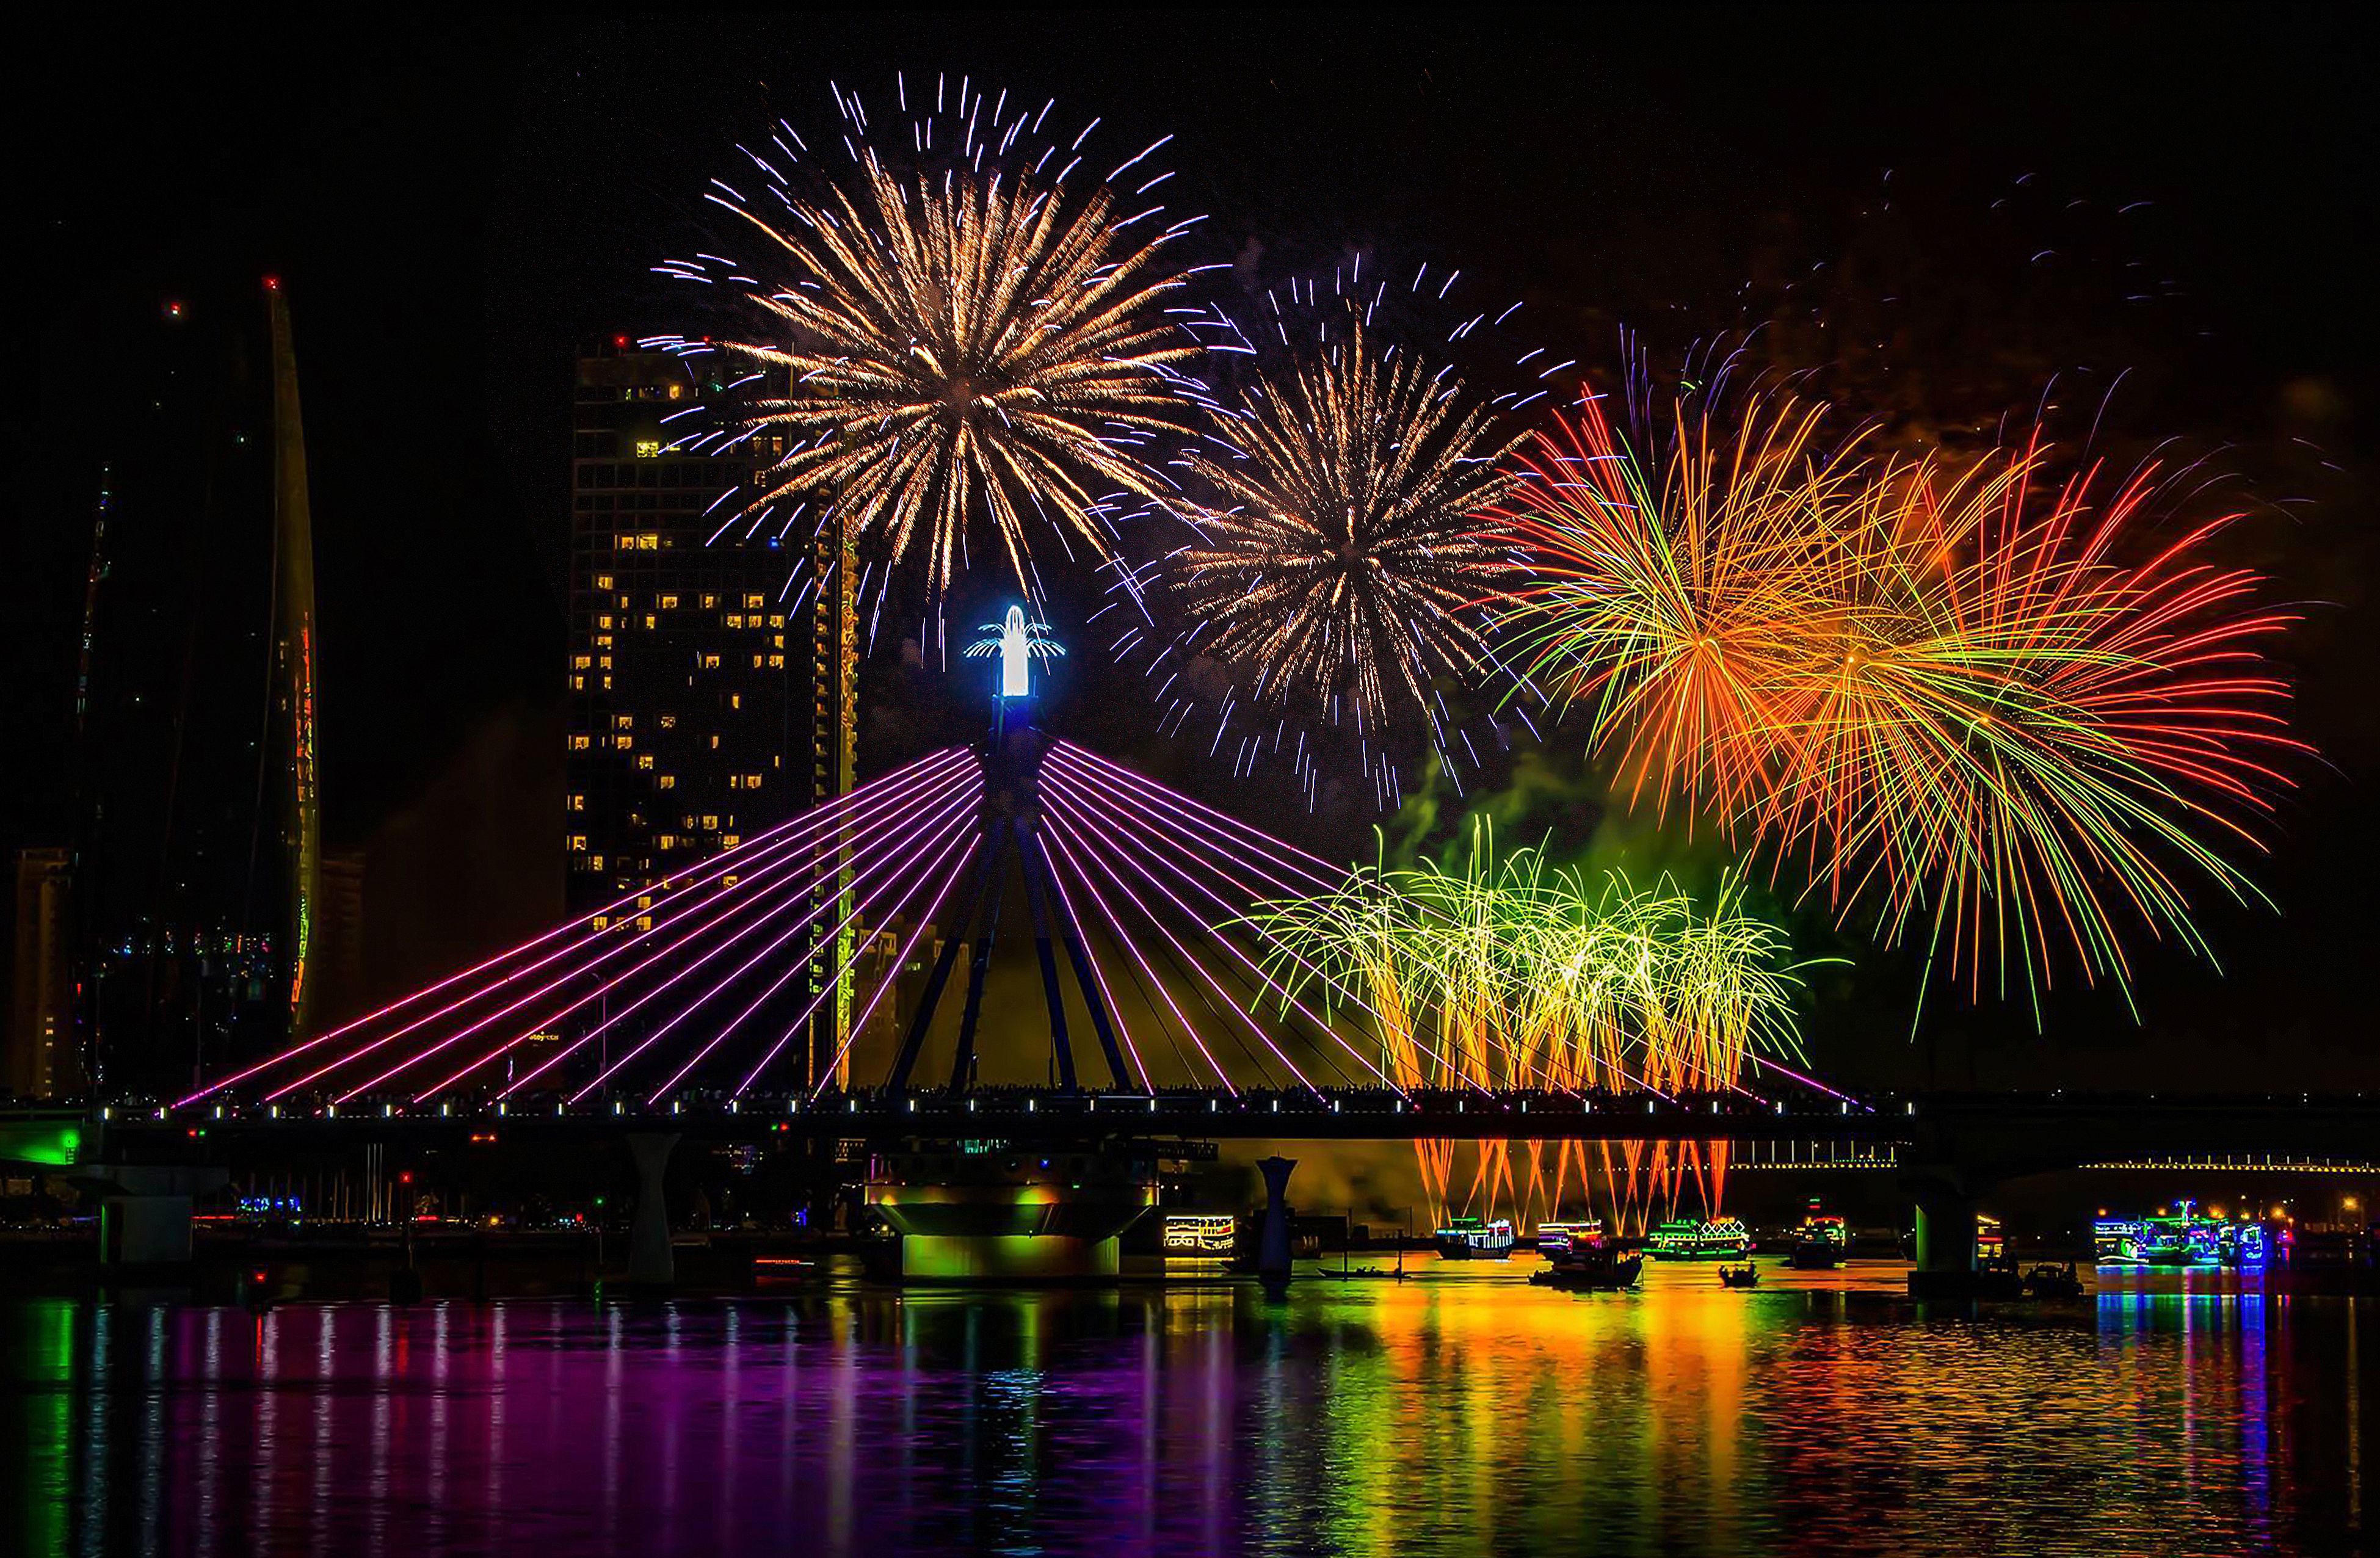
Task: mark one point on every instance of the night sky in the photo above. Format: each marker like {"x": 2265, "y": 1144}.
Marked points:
{"x": 456, "y": 204}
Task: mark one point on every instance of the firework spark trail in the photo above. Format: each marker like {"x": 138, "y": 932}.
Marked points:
{"x": 788, "y": 891}
{"x": 1942, "y": 694}
{"x": 742, "y": 856}
{"x": 1524, "y": 974}
{"x": 955, "y": 337}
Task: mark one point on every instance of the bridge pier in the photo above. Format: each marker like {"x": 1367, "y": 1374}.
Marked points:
{"x": 652, "y": 1263}
{"x": 144, "y": 1210}
{"x": 1948, "y": 1220}
{"x": 1272, "y": 1238}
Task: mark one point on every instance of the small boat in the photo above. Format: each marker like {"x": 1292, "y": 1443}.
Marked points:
{"x": 2046, "y": 1281}
{"x": 1584, "y": 1261}
{"x": 1745, "y": 1276}
{"x": 1470, "y": 1238}
{"x": 1720, "y": 1238}
{"x": 1609, "y": 1275}
{"x": 1819, "y": 1244}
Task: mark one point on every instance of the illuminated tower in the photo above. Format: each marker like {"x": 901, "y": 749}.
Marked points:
{"x": 295, "y": 647}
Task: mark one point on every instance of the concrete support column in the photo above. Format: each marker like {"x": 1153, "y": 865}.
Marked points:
{"x": 1272, "y": 1240}
{"x": 650, "y": 1260}
{"x": 144, "y": 1210}
{"x": 1945, "y": 1232}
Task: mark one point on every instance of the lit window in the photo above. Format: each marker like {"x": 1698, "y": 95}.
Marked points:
{"x": 710, "y": 662}
{"x": 649, "y": 448}
{"x": 735, "y": 701}
{"x": 644, "y": 759}
{"x": 730, "y": 841}
{"x": 669, "y": 722}
{"x": 603, "y": 581}
{"x": 709, "y": 602}
{"x": 580, "y": 743}
{"x": 753, "y": 601}
{"x": 581, "y": 662}
{"x": 667, "y": 781}
{"x": 669, "y": 602}
{"x": 623, "y": 722}
{"x": 595, "y": 863}
{"x": 710, "y": 820}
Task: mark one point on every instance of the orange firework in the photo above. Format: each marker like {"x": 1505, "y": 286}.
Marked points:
{"x": 1943, "y": 692}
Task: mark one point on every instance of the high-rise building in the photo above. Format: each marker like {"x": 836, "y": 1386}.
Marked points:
{"x": 43, "y": 1058}
{"x": 689, "y": 693}
{"x": 195, "y": 829}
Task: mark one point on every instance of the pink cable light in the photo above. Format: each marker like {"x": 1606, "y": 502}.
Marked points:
{"x": 952, "y": 801}
{"x": 789, "y": 861}
{"x": 1074, "y": 809}
{"x": 859, "y": 1023}
{"x": 809, "y": 1011}
{"x": 1256, "y": 1027}
{"x": 787, "y": 899}
{"x": 944, "y": 834}
{"x": 1116, "y": 927}
{"x": 1099, "y": 975}
{"x": 719, "y": 865}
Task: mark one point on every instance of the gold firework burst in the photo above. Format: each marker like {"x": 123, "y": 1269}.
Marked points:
{"x": 1341, "y": 542}
{"x": 975, "y": 338}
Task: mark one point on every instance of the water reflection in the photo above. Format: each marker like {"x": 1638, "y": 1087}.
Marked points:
{"x": 1461, "y": 1414}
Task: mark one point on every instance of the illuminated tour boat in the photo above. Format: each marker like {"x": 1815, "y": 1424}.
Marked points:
{"x": 1195, "y": 1236}
{"x": 2182, "y": 1240}
{"x": 1687, "y": 1238}
{"x": 1469, "y": 1238}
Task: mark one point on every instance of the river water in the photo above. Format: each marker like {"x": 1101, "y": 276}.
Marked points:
{"x": 1460, "y": 1412}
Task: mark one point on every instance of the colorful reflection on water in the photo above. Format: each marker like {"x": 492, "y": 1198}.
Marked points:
{"x": 1458, "y": 1413}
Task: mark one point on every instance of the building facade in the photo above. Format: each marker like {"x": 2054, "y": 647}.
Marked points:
{"x": 685, "y": 699}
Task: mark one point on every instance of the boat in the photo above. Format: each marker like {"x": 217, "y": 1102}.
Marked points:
{"x": 1720, "y": 1238}
{"x": 1605, "y": 1272}
{"x": 1553, "y": 1239}
{"x": 1582, "y": 1259}
{"x": 2046, "y": 1281}
{"x": 2180, "y": 1239}
{"x": 1471, "y": 1238}
{"x": 1745, "y": 1276}
{"x": 1819, "y": 1244}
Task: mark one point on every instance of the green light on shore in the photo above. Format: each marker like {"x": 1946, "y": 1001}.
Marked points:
{"x": 47, "y": 1143}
